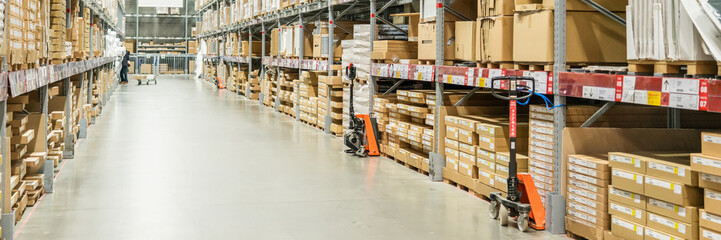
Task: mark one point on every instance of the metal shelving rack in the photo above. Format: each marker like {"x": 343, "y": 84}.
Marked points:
{"x": 560, "y": 83}
{"x": 37, "y": 79}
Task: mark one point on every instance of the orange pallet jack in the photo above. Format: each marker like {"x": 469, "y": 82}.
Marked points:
{"x": 522, "y": 201}
{"x": 219, "y": 83}
{"x": 361, "y": 140}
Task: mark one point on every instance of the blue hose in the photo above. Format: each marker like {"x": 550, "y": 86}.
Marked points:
{"x": 549, "y": 103}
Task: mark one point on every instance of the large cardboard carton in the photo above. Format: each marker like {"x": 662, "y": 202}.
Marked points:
{"x": 674, "y": 167}
{"x": 591, "y": 37}
{"x": 495, "y": 39}
{"x": 466, "y": 41}
{"x": 712, "y": 201}
{"x": 427, "y": 41}
{"x": 629, "y": 181}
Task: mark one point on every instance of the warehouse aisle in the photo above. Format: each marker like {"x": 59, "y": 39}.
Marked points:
{"x": 181, "y": 160}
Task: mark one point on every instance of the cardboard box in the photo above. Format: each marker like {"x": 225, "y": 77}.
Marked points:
{"x": 629, "y": 181}
{"x": 712, "y": 201}
{"x": 627, "y": 198}
{"x": 469, "y": 158}
{"x": 583, "y": 229}
{"x": 688, "y": 214}
{"x": 626, "y": 229}
{"x": 672, "y": 192}
{"x": 587, "y": 194}
{"x": 587, "y": 179}
{"x": 591, "y": 37}
{"x": 467, "y": 169}
{"x": 592, "y": 212}
{"x": 653, "y": 234}
{"x": 485, "y": 155}
{"x": 452, "y": 132}
{"x": 487, "y": 8}
{"x": 582, "y": 185}
{"x": 626, "y": 161}
{"x": 672, "y": 226}
{"x": 466, "y": 136}
{"x": 501, "y": 183}
{"x": 502, "y": 144}
{"x": 707, "y": 234}
{"x": 495, "y": 39}
{"x": 486, "y": 165}
{"x": 589, "y": 172}
{"x": 706, "y": 164}
{"x": 709, "y": 181}
{"x": 487, "y": 178}
{"x": 451, "y": 163}
{"x": 711, "y": 144}
{"x": 465, "y": 41}
{"x": 600, "y": 222}
{"x": 503, "y": 158}
{"x": 427, "y": 41}
{"x": 629, "y": 213}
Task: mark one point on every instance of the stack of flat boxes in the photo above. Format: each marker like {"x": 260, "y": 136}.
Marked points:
{"x": 233, "y": 78}
{"x": 540, "y": 149}
{"x": 308, "y": 93}
{"x": 587, "y": 193}
{"x": 32, "y": 22}
{"x": 253, "y": 84}
{"x": 381, "y": 111}
{"x": 483, "y": 149}
{"x": 331, "y": 87}
{"x": 24, "y": 162}
{"x": 285, "y": 93}
{"x": 267, "y": 89}
{"x": 15, "y": 31}
{"x": 411, "y": 111}
{"x": 654, "y": 196}
{"x": 708, "y": 164}
{"x": 56, "y": 123}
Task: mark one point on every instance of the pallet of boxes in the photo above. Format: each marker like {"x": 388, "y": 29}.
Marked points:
{"x": 408, "y": 136}
{"x": 27, "y": 154}
{"x": 268, "y": 88}
{"x": 381, "y": 110}
{"x": 285, "y": 94}
{"x": 708, "y": 165}
{"x": 330, "y": 103}
{"x": 308, "y": 94}
{"x": 57, "y": 46}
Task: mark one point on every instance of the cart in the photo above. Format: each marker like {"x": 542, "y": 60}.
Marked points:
{"x": 147, "y": 79}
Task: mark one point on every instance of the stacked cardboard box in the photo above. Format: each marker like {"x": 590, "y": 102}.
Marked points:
{"x": 586, "y": 196}
{"x": 330, "y": 102}
{"x": 252, "y": 85}
{"x": 591, "y": 37}
{"x": 394, "y": 50}
{"x": 231, "y": 71}
{"x": 32, "y": 30}
{"x": 427, "y": 41}
{"x": 414, "y": 138}
{"x": 654, "y": 196}
{"x": 494, "y": 31}
{"x": 708, "y": 164}
{"x": 288, "y": 81}
{"x": 268, "y": 89}
{"x": 308, "y": 94}
{"x": 381, "y": 111}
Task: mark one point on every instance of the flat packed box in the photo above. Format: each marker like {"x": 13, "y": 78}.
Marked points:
{"x": 708, "y": 234}
{"x": 628, "y": 198}
{"x": 635, "y": 215}
{"x": 704, "y": 163}
{"x": 688, "y": 214}
{"x": 583, "y": 228}
{"x": 672, "y": 192}
{"x": 626, "y": 161}
{"x": 709, "y": 181}
{"x": 653, "y": 234}
{"x": 672, "y": 226}
{"x": 711, "y": 144}
{"x": 465, "y": 41}
{"x": 629, "y": 181}
{"x": 626, "y": 229}
{"x": 495, "y": 39}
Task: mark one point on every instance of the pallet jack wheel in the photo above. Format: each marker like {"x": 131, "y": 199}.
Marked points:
{"x": 504, "y": 216}
{"x": 493, "y": 209}
{"x": 522, "y": 222}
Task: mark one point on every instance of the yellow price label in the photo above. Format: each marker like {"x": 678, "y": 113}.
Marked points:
{"x": 449, "y": 79}
{"x": 654, "y": 98}
{"x": 398, "y": 75}
{"x": 481, "y": 82}
{"x": 420, "y": 76}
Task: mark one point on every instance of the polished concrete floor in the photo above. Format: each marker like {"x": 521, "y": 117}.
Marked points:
{"x": 182, "y": 160}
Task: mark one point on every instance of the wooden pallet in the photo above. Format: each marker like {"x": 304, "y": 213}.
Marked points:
{"x": 34, "y": 196}
{"x": 533, "y": 66}
{"x": 501, "y": 65}
{"x": 459, "y": 186}
{"x": 674, "y": 67}
{"x": 433, "y": 62}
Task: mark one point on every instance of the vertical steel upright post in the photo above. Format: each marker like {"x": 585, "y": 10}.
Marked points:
{"x": 556, "y": 207}
{"x": 185, "y": 36}
{"x": 331, "y": 25}
{"x": 7, "y": 222}
{"x": 372, "y": 82}
{"x": 277, "y": 67}
{"x": 301, "y": 54}
{"x": 92, "y": 71}
{"x": 250, "y": 60}
{"x": 437, "y": 162}
{"x": 262, "y": 50}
